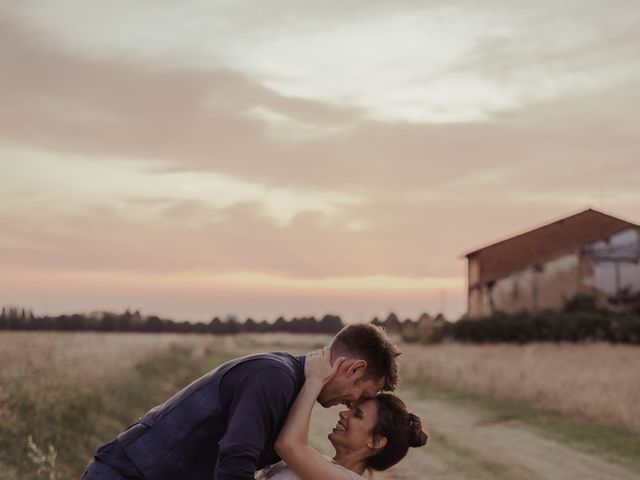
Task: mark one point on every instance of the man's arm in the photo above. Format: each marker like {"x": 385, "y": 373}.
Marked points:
{"x": 258, "y": 408}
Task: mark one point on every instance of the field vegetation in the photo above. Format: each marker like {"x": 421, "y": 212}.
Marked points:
{"x": 594, "y": 381}
{"x": 64, "y": 394}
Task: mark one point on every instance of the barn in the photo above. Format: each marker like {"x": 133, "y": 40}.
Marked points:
{"x": 588, "y": 253}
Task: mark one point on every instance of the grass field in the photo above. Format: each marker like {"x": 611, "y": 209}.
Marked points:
{"x": 61, "y": 395}
{"x": 595, "y": 381}
{"x": 497, "y": 412}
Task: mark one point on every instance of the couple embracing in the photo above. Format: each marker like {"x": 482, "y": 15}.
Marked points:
{"x": 249, "y": 418}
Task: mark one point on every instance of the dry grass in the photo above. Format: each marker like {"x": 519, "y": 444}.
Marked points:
{"x": 64, "y": 394}
{"x": 597, "y": 381}
{"x": 270, "y": 342}
{"x": 81, "y": 357}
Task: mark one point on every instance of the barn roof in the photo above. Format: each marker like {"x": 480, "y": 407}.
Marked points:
{"x": 545, "y": 242}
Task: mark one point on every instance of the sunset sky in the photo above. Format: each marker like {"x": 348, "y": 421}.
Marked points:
{"x": 192, "y": 158}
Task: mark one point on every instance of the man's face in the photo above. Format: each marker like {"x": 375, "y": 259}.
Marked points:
{"x": 350, "y": 386}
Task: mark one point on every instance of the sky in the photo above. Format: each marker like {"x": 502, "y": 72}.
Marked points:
{"x": 196, "y": 158}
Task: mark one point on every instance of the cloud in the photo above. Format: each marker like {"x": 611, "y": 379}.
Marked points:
{"x": 200, "y": 120}
{"x": 314, "y": 189}
{"x": 399, "y": 237}
{"x": 193, "y": 236}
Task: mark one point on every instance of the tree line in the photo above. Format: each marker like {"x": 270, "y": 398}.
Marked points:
{"x": 16, "y": 318}
{"x": 19, "y": 318}
{"x": 580, "y": 320}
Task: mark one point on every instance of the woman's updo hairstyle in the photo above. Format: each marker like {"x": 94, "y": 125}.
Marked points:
{"x": 401, "y": 428}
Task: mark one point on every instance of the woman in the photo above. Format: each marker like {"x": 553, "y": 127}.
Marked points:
{"x": 373, "y": 435}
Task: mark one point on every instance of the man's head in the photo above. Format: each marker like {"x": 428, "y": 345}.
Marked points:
{"x": 369, "y": 366}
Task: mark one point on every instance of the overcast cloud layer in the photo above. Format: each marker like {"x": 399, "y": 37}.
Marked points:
{"x": 192, "y": 158}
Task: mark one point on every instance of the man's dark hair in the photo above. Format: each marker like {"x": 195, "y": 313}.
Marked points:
{"x": 372, "y": 344}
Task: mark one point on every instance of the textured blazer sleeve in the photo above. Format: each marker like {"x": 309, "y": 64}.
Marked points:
{"x": 259, "y": 406}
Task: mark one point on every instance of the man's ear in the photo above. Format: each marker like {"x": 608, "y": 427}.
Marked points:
{"x": 357, "y": 367}
{"x": 345, "y": 368}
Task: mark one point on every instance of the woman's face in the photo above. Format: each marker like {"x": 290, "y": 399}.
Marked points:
{"x": 355, "y": 426}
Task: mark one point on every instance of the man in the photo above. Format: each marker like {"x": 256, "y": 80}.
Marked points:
{"x": 223, "y": 425}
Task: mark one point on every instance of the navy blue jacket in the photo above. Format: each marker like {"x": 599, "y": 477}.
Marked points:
{"x": 220, "y": 427}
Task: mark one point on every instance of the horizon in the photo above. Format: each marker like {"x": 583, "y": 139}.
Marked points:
{"x": 6, "y": 310}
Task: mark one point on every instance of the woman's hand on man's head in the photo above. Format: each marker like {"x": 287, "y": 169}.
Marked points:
{"x": 318, "y": 367}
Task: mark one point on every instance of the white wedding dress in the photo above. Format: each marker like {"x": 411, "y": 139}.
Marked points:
{"x": 281, "y": 471}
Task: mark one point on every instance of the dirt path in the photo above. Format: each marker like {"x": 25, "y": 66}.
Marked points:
{"x": 464, "y": 446}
